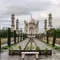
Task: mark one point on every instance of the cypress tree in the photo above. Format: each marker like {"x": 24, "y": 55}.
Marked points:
{"x": 47, "y": 37}
{"x": 9, "y": 37}
{"x": 14, "y": 36}
{"x": 54, "y": 38}
{"x": 0, "y": 42}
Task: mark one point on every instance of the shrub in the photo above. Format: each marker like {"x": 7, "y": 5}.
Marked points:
{"x": 46, "y": 50}
{"x": 5, "y": 47}
{"x": 37, "y": 48}
{"x": 19, "y": 47}
{"x": 11, "y": 49}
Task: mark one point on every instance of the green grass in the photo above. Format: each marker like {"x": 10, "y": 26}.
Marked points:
{"x": 57, "y": 48}
{"x": 5, "y": 47}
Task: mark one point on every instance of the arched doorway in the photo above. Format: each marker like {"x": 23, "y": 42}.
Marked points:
{"x": 31, "y": 30}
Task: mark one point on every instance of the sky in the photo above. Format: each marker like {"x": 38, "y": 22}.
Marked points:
{"x": 24, "y": 8}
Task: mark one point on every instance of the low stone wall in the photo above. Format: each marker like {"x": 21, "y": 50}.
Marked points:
{"x": 41, "y": 52}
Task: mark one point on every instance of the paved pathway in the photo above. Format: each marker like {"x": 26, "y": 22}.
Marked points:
{"x": 41, "y": 44}
{"x": 22, "y": 44}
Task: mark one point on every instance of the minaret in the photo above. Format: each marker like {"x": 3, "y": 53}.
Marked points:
{"x": 12, "y": 22}
{"x": 17, "y": 25}
{"x": 26, "y": 26}
{"x": 45, "y": 25}
{"x": 37, "y": 28}
{"x": 50, "y": 20}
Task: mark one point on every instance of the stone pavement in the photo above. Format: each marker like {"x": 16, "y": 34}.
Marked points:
{"x": 41, "y": 44}
{"x": 22, "y": 44}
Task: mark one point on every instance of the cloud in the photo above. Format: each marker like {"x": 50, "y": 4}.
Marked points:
{"x": 18, "y": 10}
{"x": 22, "y": 7}
{"x": 55, "y": 1}
{"x": 38, "y": 6}
{"x": 30, "y": 4}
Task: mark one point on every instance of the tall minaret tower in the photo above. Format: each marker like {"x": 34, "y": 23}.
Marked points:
{"x": 26, "y": 26}
{"x": 12, "y": 22}
{"x": 45, "y": 25}
{"x": 50, "y": 20}
{"x": 37, "y": 27}
{"x": 17, "y": 25}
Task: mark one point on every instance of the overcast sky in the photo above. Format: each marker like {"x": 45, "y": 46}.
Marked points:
{"x": 24, "y": 8}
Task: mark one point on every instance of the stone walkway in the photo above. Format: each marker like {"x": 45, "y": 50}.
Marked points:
{"x": 41, "y": 44}
{"x": 22, "y": 44}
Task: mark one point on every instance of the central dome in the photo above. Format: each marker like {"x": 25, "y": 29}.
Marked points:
{"x": 32, "y": 21}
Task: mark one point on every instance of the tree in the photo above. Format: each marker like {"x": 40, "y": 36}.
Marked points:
{"x": 0, "y": 43}
{"x": 47, "y": 37}
{"x": 14, "y": 36}
{"x": 9, "y": 37}
{"x": 54, "y": 38}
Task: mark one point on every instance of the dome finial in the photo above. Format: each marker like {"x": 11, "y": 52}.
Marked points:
{"x": 31, "y": 15}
